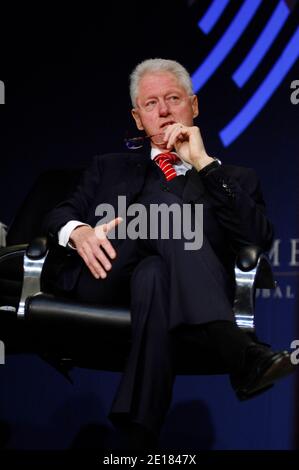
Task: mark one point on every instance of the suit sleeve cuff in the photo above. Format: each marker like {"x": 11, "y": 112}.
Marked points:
{"x": 65, "y": 232}
{"x": 210, "y": 167}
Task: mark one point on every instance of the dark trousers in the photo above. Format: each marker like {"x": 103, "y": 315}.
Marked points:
{"x": 144, "y": 394}
{"x": 145, "y": 390}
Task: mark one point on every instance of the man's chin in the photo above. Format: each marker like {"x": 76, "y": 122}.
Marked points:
{"x": 162, "y": 147}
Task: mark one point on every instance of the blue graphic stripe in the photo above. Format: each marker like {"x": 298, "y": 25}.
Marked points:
{"x": 212, "y": 15}
{"x": 262, "y": 44}
{"x": 242, "y": 120}
{"x": 225, "y": 44}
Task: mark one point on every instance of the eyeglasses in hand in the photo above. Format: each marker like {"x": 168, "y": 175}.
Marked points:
{"x": 134, "y": 143}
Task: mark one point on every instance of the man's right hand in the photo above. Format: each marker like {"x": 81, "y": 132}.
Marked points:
{"x": 93, "y": 246}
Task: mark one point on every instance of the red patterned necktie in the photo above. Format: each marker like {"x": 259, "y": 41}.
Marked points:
{"x": 166, "y": 162}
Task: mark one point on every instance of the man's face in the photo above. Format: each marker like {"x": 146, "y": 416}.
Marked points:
{"x": 162, "y": 101}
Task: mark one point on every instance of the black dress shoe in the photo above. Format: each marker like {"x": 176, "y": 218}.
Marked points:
{"x": 261, "y": 369}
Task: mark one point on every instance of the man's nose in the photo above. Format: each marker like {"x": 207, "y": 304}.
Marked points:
{"x": 163, "y": 108}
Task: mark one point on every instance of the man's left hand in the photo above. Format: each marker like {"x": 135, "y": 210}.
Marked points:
{"x": 188, "y": 143}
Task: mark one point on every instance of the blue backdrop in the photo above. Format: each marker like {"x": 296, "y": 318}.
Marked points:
{"x": 66, "y": 99}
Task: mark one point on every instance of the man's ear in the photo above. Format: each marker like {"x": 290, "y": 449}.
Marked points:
{"x": 194, "y": 103}
{"x": 137, "y": 119}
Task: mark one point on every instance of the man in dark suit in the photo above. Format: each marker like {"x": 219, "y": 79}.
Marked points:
{"x": 169, "y": 288}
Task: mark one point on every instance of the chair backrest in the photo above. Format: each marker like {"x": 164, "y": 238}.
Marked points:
{"x": 51, "y": 187}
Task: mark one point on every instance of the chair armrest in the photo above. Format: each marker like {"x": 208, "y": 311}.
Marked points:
{"x": 34, "y": 259}
{"x": 247, "y": 257}
{"x": 11, "y": 277}
{"x": 67, "y": 313}
{"x": 251, "y": 257}
{"x": 38, "y": 248}
{"x": 12, "y": 251}
{"x": 252, "y": 270}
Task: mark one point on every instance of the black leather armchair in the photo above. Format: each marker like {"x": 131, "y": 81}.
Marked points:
{"x": 68, "y": 333}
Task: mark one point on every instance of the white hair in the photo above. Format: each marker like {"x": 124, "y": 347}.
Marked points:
{"x": 159, "y": 65}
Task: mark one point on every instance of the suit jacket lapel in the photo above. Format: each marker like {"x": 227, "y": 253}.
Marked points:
{"x": 137, "y": 168}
